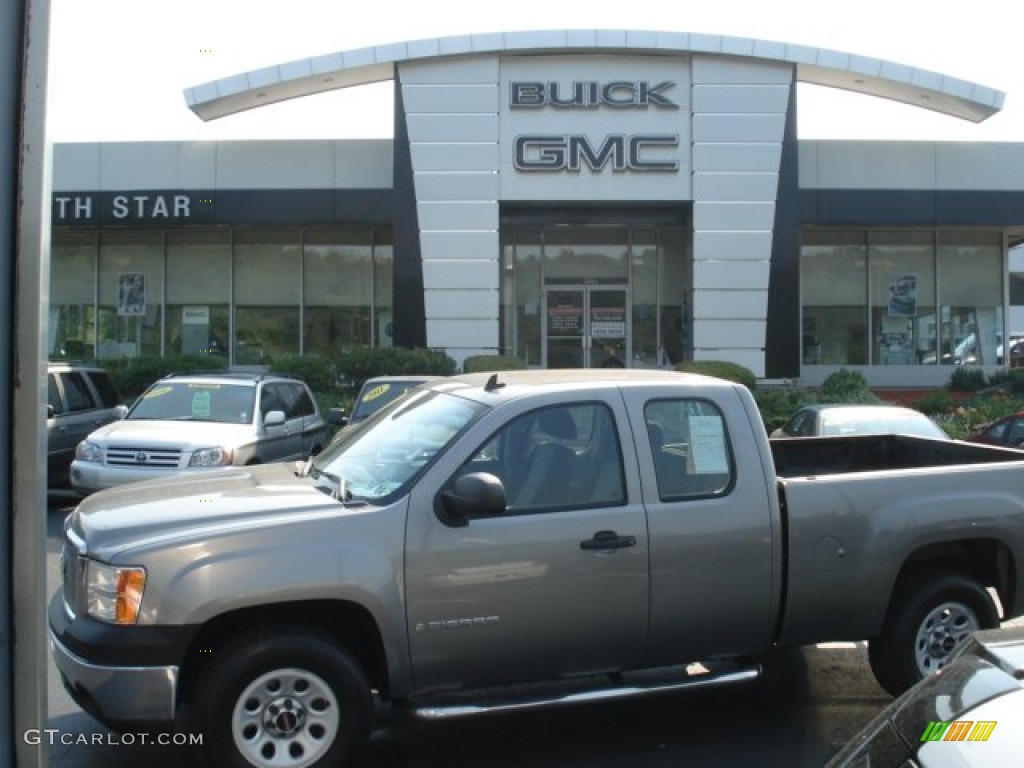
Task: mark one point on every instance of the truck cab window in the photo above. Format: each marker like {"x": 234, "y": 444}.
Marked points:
{"x": 690, "y": 447}
{"x": 561, "y": 457}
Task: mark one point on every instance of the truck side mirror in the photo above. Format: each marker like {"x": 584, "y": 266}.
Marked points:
{"x": 478, "y": 494}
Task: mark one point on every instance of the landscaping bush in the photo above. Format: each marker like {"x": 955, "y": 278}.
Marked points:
{"x": 967, "y": 379}
{"x": 846, "y": 386}
{"x": 779, "y": 403}
{"x": 132, "y": 375}
{"x": 722, "y": 369}
{"x": 357, "y": 366}
{"x": 319, "y": 373}
{"x": 485, "y": 363}
{"x": 935, "y": 403}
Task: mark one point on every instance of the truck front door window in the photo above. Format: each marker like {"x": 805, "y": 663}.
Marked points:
{"x": 561, "y": 457}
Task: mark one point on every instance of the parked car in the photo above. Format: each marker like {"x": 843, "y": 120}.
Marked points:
{"x": 188, "y": 423}
{"x": 1007, "y": 431}
{"x": 967, "y": 715}
{"x": 856, "y": 419}
{"x": 373, "y": 395}
{"x": 80, "y": 399}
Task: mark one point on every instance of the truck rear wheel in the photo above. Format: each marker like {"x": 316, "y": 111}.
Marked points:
{"x": 282, "y": 699}
{"x": 931, "y": 615}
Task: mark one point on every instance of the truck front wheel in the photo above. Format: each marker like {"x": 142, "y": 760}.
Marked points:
{"x": 282, "y": 699}
{"x": 931, "y": 615}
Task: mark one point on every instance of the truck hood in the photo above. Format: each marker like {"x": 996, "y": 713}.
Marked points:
{"x": 192, "y": 506}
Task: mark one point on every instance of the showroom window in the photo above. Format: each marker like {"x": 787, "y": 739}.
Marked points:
{"x": 337, "y": 291}
{"x": 933, "y": 297}
{"x": 267, "y": 282}
{"x": 833, "y": 286}
{"x": 131, "y": 283}
{"x": 198, "y": 293}
{"x": 72, "y": 313}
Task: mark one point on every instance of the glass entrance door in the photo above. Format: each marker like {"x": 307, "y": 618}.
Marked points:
{"x": 586, "y": 327}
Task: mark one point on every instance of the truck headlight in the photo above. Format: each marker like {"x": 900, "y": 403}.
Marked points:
{"x": 86, "y": 451}
{"x": 114, "y": 593}
{"x": 212, "y": 457}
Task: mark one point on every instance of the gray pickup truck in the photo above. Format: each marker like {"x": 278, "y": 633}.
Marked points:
{"x": 524, "y": 539}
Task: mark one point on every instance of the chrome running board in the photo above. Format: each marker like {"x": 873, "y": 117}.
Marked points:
{"x": 621, "y": 690}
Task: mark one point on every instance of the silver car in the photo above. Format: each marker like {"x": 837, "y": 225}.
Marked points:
{"x": 193, "y": 423}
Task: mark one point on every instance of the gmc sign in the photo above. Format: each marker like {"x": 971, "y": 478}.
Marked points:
{"x": 622, "y": 153}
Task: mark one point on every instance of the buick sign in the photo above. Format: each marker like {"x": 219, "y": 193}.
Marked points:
{"x": 591, "y": 94}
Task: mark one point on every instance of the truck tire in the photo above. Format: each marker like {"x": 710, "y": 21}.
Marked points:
{"x": 287, "y": 698}
{"x": 931, "y": 615}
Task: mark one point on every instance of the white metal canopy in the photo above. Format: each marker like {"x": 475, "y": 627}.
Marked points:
{"x": 836, "y": 69}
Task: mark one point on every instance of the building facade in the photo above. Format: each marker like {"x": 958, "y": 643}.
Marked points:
{"x": 572, "y": 198}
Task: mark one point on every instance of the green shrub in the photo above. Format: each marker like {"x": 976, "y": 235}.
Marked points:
{"x": 845, "y": 386}
{"x": 358, "y": 365}
{"x": 1012, "y": 380}
{"x": 319, "y": 373}
{"x": 779, "y": 403}
{"x": 721, "y": 369}
{"x": 132, "y": 375}
{"x": 967, "y": 379}
{"x": 484, "y": 363}
{"x": 935, "y": 403}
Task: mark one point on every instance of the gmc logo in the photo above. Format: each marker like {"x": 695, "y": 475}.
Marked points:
{"x": 622, "y": 153}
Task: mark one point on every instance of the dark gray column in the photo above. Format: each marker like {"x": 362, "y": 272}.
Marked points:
{"x": 24, "y": 265}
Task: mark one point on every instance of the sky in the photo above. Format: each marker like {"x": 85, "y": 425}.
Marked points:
{"x": 118, "y": 68}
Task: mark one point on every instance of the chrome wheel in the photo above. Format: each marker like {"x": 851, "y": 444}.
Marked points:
{"x": 285, "y": 718}
{"x": 942, "y": 631}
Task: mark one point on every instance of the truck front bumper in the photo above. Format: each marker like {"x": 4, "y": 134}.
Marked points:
{"x": 117, "y": 694}
{"x": 121, "y": 675}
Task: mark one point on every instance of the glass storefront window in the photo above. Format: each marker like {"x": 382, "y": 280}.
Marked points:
{"x": 833, "y": 287}
{"x": 644, "y": 291}
{"x": 675, "y": 281}
{"x": 72, "y": 316}
{"x": 383, "y": 288}
{"x": 902, "y": 286}
{"x": 628, "y": 284}
{"x": 970, "y": 297}
{"x": 338, "y": 285}
{"x": 198, "y": 293}
{"x": 267, "y": 282}
{"x": 131, "y": 287}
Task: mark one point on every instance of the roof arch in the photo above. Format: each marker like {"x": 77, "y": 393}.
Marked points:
{"x": 819, "y": 66}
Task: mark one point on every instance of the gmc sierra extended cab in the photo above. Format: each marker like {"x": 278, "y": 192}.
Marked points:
{"x": 520, "y": 539}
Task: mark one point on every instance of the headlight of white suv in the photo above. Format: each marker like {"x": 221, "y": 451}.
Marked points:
{"x": 86, "y": 451}
{"x": 212, "y": 457}
{"x": 114, "y": 593}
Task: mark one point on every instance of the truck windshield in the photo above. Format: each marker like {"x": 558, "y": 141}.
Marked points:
{"x": 388, "y": 451}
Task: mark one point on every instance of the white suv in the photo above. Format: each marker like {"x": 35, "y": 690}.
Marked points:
{"x": 189, "y": 423}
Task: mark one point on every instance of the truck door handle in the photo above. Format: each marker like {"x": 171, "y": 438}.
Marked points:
{"x": 608, "y": 540}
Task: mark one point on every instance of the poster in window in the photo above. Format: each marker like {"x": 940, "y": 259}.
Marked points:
{"x": 903, "y": 295}
{"x": 131, "y": 294}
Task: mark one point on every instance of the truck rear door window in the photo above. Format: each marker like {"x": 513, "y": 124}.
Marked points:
{"x": 690, "y": 448}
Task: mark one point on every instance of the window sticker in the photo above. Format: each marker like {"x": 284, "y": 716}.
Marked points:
{"x": 157, "y": 392}
{"x": 201, "y": 405}
{"x": 707, "y": 445}
{"x": 376, "y": 392}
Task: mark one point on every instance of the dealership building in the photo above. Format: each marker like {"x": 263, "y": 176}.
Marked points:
{"x": 572, "y": 198}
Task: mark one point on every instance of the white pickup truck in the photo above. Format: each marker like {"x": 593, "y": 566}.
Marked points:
{"x": 523, "y": 539}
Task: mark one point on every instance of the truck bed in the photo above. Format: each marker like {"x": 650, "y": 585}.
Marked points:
{"x": 806, "y": 456}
